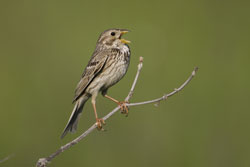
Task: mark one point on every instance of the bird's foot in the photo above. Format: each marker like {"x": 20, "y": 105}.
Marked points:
{"x": 99, "y": 124}
{"x": 124, "y": 107}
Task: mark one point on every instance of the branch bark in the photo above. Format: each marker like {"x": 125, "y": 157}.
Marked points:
{"x": 42, "y": 162}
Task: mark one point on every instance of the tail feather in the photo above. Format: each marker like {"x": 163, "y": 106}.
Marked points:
{"x": 75, "y": 115}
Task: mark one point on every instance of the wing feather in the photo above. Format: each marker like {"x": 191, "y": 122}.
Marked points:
{"x": 93, "y": 68}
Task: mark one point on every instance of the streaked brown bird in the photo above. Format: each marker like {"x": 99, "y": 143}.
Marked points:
{"x": 107, "y": 66}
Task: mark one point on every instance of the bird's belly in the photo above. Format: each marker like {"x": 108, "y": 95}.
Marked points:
{"x": 108, "y": 77}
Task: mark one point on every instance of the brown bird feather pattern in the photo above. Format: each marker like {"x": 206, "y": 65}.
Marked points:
{"x": 107, "y": 66}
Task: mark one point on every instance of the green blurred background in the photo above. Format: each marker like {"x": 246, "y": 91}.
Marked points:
{"x": 45, "y": 45}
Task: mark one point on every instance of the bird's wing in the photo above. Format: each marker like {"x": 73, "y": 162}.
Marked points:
{"x": 93, "y": 68}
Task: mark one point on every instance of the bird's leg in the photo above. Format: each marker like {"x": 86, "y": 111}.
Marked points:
{"x": 99, "y": 121}
{"x": 122, "y": 104}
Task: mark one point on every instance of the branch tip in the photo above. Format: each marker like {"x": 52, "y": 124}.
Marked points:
{"x": 195, "y": 70}
{"x": 141, "y": 59}
{"x": 6, "y": 158}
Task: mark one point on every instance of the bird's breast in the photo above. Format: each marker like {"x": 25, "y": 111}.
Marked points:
{"x": 116, "y": 66}
{"x": 113, "y": 71}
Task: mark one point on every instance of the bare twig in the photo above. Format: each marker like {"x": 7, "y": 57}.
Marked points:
{"x": 176, "y": 90}
{"x": 130, "y": 94}
{"x": 42, "y": 162}
{"x": 6, "y": 158}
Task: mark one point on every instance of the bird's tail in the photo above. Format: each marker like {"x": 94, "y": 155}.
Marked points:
{"x": 72, "y": 123}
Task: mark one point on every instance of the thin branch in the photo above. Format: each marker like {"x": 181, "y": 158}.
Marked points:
{"x": 42, "y": 162}
{"x": 176, "y": 90}
{"x": 130, "y": 94}
{"x": 6, "y": 158}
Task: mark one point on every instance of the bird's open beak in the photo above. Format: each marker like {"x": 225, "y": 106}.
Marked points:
{"x": 124, "y": 40}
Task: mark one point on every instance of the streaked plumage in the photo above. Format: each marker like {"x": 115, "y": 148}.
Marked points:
{"x": 107, "y": 66}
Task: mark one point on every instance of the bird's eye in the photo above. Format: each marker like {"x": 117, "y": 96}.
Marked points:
{"x": 113, "y": 33}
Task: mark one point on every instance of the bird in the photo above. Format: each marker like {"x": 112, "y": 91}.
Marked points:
{"x": 107, "y": 66}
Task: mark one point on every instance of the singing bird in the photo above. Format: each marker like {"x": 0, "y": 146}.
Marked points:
{"x": 107, "y": 66}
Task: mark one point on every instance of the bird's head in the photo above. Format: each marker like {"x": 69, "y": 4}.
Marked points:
{"x": 113, "y": 38}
